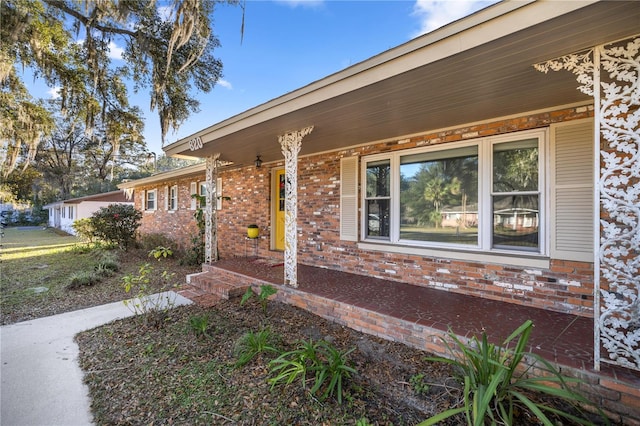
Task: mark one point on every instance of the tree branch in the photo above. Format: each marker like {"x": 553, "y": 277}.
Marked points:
{"x": 61, "y": 5}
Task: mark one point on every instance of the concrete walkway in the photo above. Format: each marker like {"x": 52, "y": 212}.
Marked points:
{"x": 42, "y": 383}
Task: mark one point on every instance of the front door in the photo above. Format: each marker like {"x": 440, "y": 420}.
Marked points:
{"x": 278, "y": 208}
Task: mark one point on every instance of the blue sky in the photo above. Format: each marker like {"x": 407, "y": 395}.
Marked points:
{"x": 289, "y": 44}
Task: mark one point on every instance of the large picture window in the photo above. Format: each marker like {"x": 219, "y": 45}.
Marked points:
{"x": 479, "y": 195}
{"x": 439, "y": 196}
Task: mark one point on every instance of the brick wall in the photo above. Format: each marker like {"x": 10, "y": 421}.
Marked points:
{"x": 564, "y": 286}
{"x": 179, "y": 225}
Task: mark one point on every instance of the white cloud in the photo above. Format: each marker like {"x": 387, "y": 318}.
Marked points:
{"x": 54, "y": 92}
{"x": 303, "y": 3}
{"x": 434, "y": 14}
{"x": 225, "y": 84}
{"x": 115, "y": 51}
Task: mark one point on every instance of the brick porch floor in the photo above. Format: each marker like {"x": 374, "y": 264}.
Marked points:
{"x": 564, "y": 339}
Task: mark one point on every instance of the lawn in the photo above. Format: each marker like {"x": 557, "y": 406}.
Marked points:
{"x": 38, "y": 265}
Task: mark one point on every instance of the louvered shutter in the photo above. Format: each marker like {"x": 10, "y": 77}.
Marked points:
{"x": 572, "y": 191}
{"x": 349, "y": 199}
{"x": 166, "y": 198}
{"x": 194, "y": 190}
{"x": 218, "y": 194}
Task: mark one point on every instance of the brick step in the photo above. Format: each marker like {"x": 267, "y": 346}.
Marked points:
{"x": 225, "y": 286}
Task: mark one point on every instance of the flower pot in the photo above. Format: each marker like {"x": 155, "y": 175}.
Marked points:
{"x": 253, "y": 232}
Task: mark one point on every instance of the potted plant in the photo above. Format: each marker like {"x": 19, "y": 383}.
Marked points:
{"x": 253, "y": 231}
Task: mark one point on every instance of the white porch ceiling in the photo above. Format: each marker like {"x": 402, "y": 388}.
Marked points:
{"x": 371, "y": 102}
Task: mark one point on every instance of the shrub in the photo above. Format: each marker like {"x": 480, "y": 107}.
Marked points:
{"x": 117, "y": 224}
{"x": 84, "y": 229}
{"x": 327, "y": 364}
{"x": 496, "y": 385}
{"x": 252, "y": 344}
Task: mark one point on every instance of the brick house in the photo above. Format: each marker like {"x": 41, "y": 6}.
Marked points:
{"x": 493, "y": 117}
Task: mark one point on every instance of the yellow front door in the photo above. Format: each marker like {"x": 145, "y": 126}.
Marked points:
{"x": 279, "y": 199}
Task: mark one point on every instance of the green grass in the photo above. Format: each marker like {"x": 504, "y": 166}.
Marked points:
{"x": 37, "y": 258}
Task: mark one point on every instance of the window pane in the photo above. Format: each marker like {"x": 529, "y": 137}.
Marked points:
{"x": 151, "y": 200}
{"x": 515, "y": 222}
{"x": 515, "y": 166}
{"x": 378, "y": 179}
{"x": 439, "y": 196}
{"x": 378, "y": 214}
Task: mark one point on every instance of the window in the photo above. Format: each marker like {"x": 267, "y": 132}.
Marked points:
{"x": 63, "y": 212}
{"x": 378, "y": 199}
{"x": 439, "y": 196}
{"x": 150, "y": 201}
{"x": 202, "y": 191}
{"x": 479, "y": 195}
{"x": 515, "y": 195}
{"x": 173, "y": 198}
{"x": 70, "y": 212}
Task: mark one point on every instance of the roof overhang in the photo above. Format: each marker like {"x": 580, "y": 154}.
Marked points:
{"x": 184, "y": 172}
{"x": 113, "y": 196}
{"x": 474, "y": 69}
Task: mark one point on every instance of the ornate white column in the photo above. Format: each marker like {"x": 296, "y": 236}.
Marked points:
{"x": 210, "y": 216}
{"x": 611, "y": 74}
{"x": 291, "y": 143}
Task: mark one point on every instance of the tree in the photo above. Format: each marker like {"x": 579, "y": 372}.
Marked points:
{"x": 68, "y": 44}
{"x": 82, "y": 162}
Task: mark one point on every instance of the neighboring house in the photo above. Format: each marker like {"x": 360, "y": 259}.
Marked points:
{"x": 62, "y": 214}
{"x": 486, "y": 109}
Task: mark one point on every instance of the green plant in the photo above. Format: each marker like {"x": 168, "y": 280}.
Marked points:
{"x": 327, "y": 364}
{"x": 149, "y": 241}
{"x": 252, "y": 344}
{"x": 496, "y": 385}
{"x": 116, "y": 224}
{"x": 84, "y": 229}
{"x": 83, "y": 279}
{"x": 418, "y": 384}
{"x": 152, "y": 306}
{"x": 266, "y": 291}
{"x": 161, "y": 252}
{"x": 199, "y": 324}
{"x": 195, "y": 255}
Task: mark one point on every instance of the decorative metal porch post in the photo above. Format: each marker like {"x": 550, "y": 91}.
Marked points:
{"x": 291, "y": 143}
{"x": 611, "y": 74}
{"x": 210, "y": 215}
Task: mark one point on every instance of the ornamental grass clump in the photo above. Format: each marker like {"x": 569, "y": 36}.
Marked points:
{"x": 497, "y": 384}
{"x": 252, "y": 344}
{"x": 325, "y": 366}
